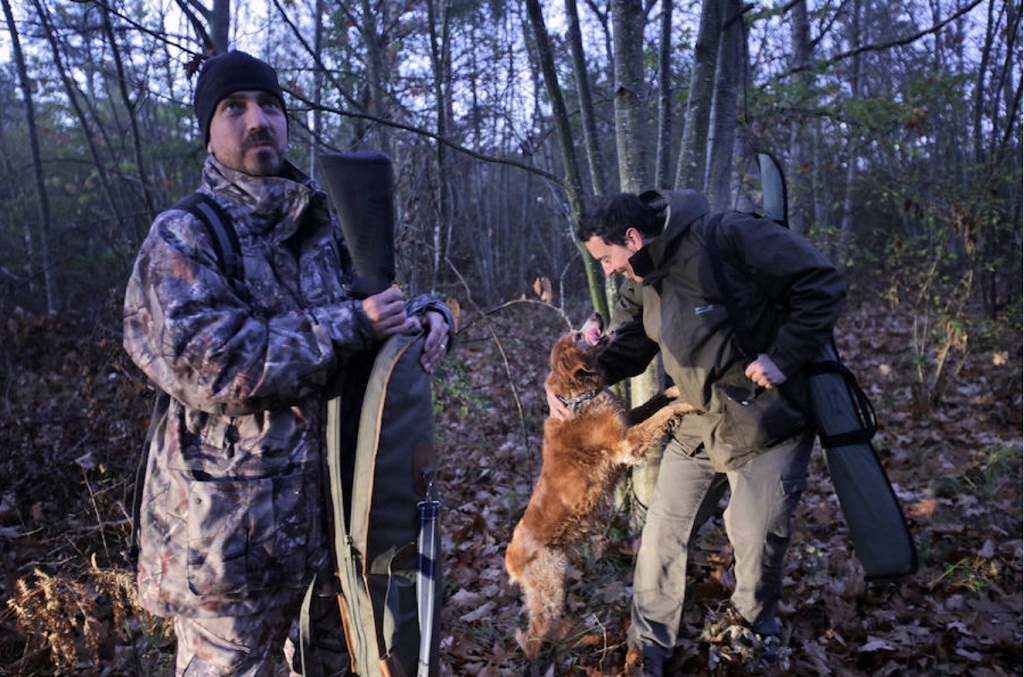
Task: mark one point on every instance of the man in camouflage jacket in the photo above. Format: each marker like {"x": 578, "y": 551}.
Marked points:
{"x": 233, "y": 513}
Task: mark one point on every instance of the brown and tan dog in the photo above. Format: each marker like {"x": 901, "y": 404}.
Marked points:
{"x": 583, "y": 458}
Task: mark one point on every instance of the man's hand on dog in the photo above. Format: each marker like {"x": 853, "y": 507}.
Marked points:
{"x": 557, "y": 409}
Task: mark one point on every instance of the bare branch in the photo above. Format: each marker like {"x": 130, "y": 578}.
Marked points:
{"x": 882, "y": 46}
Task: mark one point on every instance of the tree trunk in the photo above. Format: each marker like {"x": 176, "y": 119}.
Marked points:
{"x": 801, "y": 197}
{"x": 853, "y": 146}
{"x": 628, "y": 43}
{"x": 378, "y": 81}
{"x": 133, "y": 120}
{"x": 664, "y": 142}
{"x": 80, "y": 114}
{"x": 220, "y": 25}
{"x": 440, "y": 61}
{"x": 318, "y": 89}
{"x": 691, "y": 169}
{"x": 630, "y": 105}
{"x": 53, "y": 296}
{"x": 211, "y": 24}
{"x": 573, "y": 183}
{"x": 723, "y": 118}
{"x": 579, "y": 68}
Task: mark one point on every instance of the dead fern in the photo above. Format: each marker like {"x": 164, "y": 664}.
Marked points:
{"x": 57, "y": 612}
{"x": 74, "y": 617}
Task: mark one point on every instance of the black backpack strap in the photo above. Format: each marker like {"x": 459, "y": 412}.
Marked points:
{"x": 225, "y": 239}
{"x": 156, "y": 424}
{"x": 714, "y": 251}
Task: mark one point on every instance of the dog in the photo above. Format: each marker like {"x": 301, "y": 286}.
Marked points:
{"x": 584, "y": 456}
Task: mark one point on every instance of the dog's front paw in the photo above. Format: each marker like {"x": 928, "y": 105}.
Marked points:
{"x": 680, "y": 408}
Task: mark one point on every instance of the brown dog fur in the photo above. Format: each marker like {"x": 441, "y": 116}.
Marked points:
{"x": 583, "y": 458}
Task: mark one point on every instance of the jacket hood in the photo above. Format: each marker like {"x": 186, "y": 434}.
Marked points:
{"x": 275, "y": 204}
{"x": 681, "y": 209}
{"x": 681, "y": 206}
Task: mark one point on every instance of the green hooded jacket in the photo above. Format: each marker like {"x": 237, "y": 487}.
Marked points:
{"x": 790, "y": 297}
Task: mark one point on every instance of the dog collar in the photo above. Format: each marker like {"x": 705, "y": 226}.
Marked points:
{"x": 576, "y": 403}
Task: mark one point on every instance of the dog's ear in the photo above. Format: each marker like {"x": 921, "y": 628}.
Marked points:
{"x": 583, "y": 371}
{"x": 569, "y": 360}
{"x": 583, "y": 374}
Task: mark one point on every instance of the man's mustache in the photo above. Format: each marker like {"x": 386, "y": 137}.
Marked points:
{"x": 257, "y": 139}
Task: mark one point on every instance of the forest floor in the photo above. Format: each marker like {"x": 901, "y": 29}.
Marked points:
{"x": 73, "y": 412}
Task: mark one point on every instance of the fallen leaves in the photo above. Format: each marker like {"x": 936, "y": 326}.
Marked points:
{"x": 837, "y": 623}
{"x": 957, "y": 472}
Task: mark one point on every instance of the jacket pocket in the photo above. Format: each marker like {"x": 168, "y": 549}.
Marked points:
{"x": 753, "y": 419}
{"x": 247, "y": 535}
{"x": 243, "y": 448}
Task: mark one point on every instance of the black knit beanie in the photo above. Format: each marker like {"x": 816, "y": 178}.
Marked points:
{"x": 223, "y": 74}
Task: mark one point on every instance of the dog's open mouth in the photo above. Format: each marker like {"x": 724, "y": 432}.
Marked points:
{"x": 592, "y": 333}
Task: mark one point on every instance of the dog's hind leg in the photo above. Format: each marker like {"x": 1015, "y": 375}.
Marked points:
{"x": 543, "y": 584}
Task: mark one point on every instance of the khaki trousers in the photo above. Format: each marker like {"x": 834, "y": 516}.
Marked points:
{"x": 764, "y": 492}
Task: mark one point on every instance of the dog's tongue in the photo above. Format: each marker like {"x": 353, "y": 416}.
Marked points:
{"x": 593, "y": 335}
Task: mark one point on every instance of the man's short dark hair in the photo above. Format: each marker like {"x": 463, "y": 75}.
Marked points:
{"x": 610, "y": 216}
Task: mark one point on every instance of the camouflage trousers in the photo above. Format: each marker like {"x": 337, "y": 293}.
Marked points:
{"x": 262, "y": 645}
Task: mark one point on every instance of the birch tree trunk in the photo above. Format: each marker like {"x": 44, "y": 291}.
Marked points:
{"x": 628, "y": 36}
{"x": 630, "y": 140}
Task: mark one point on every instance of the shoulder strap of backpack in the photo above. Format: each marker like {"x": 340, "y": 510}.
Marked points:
{"x": 714, "y": 251}
{"x": 225, "y": 239}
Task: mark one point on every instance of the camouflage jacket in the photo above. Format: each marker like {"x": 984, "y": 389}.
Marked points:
{"x": 233, "y": 517}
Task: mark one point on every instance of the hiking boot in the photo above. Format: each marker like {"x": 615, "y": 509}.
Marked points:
{"x": 652, "y": 667}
